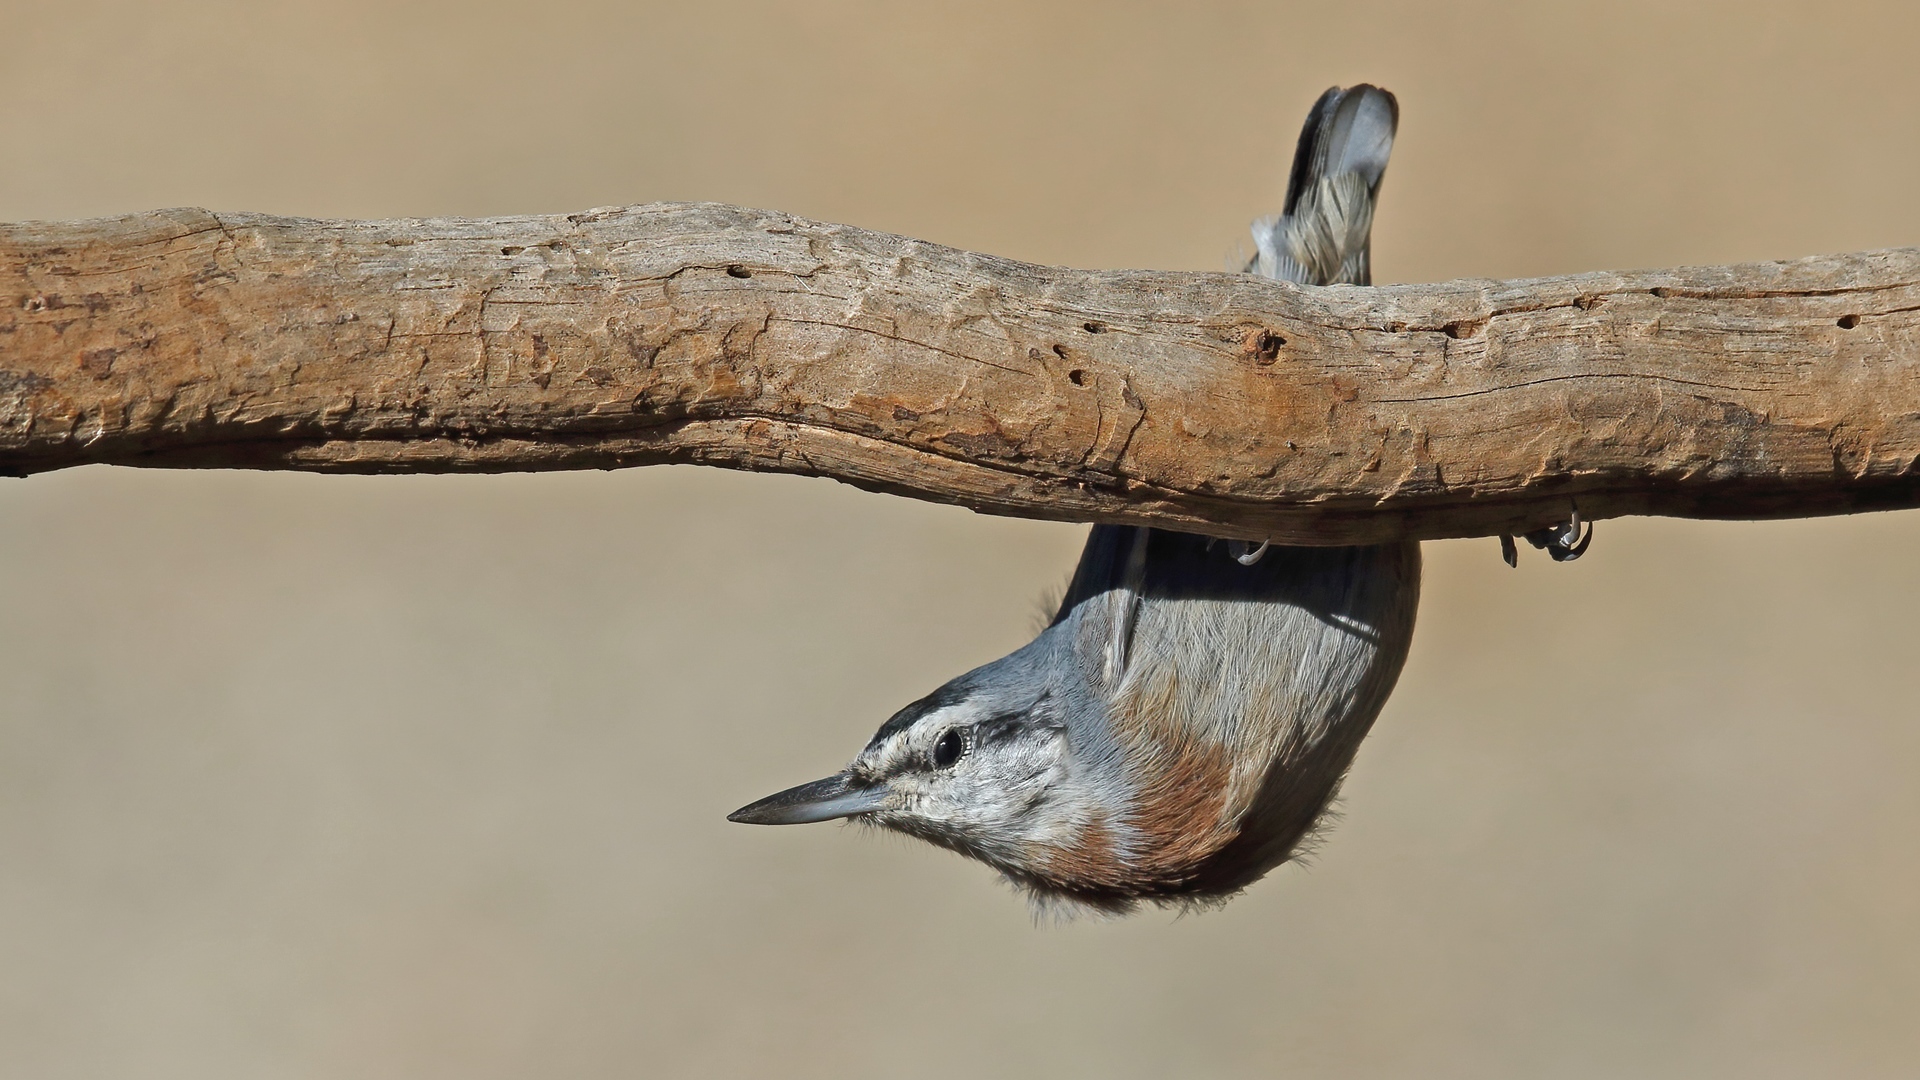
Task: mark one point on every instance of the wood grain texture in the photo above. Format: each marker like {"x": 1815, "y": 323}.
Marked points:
{"x": 709, "y": 334}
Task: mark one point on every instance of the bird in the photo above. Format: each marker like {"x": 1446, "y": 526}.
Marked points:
{"x": 1180, "y": 726}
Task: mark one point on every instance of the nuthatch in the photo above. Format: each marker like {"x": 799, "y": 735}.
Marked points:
{"x": 1181, "y": 725}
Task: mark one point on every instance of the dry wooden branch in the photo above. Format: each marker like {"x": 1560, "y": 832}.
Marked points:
{"x": 1214, "y": 402}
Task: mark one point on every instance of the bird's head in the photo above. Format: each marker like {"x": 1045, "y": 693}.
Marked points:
{"x": 986, "y": 765}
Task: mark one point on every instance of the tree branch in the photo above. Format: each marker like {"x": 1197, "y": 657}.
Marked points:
{"x": 1219, "y": 403}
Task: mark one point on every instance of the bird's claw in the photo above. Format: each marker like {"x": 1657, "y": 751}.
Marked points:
{"x": 1245, "y": 553}
{"x": 1562, "y": 543}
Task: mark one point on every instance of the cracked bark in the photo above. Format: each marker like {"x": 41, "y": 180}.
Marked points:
{"x": 1217, "y": 403}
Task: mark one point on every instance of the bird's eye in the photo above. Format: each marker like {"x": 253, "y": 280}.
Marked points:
{"x": 949, "y": 748}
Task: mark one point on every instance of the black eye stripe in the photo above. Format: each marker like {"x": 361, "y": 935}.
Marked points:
{"x": 1001, "y": 728}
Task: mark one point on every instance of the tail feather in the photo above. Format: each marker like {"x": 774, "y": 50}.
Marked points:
{"x": 1321, "y": 236}
{"x": 1321, "y": 239}
{"x": 1347, "y": 131}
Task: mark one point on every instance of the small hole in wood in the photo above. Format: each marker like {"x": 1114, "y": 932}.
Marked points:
{"x": 1060, "y": 351}
{"x": 1661, "y": 293}
{"x": 1463, "y": 329}
{"x": 511, "y": 250}
{"x": 1263, "y": 346}
{"x": 1094, "y": 328}
{"x": 1848, "y": 322}
{"x": 1077, "y": 377}
{"x": 736, "y": 270}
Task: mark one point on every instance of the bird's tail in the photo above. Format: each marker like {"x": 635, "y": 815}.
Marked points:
{"x": 1321, "y": 235}
{"x": 1320, "y": 238}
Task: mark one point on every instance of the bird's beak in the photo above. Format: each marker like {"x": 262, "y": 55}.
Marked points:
{"x": 823, "y": 800}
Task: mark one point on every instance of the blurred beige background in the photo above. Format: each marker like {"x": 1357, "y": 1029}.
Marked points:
{"x": 425, "y": 777}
